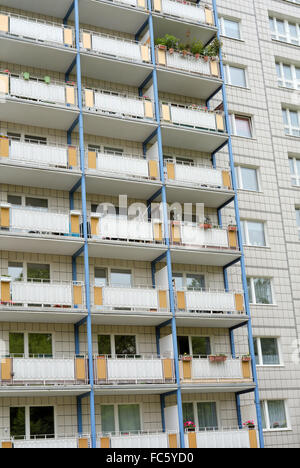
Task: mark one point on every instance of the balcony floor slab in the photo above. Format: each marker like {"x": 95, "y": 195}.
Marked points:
{"x": 141, "y": 389}
{"x": 177, "y": 136}
{"x": 147, "y": 319}
{"x": 204, "y": 320}
{"x": 200, "y": 256}
{"x": 12, "y": 391}
{"x": 125, "y": 251}
{"x": 16, "y": 242}
{"x": 57, "y": 8}
{"x": 220, "y": 387}
{"x": 39, "y": 315}
{"x": 212, "y": 198}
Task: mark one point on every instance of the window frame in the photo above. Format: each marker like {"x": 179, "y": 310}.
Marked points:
{"x": 228, "y": 80}
{"x": 239, "y": 177}
{"x": 276, "y": 35}
{"x": 27, "y": 434}
{"x": 294, "y": 81}
{"x": 184, "y": 278}
{"x": 25, "y": 268}
{"x": 116, "y": 414}
{"x": 252, "y": 278}
{"x": 233, "y": 116}
{"x": 297, "y": 209}
{"x": 108, "y": 275}
{"x": 245, "y": 233}
{"x": 296, "y": 174}
{"x": 23, "y": 201}
{"x": 210, "y": 337}
{"x": 113, "y": 346}
{"x": 260, "y": 353}
{"x": 195, "y": 411}
{"x": 289, "y": 128}
{"x": 26, "y": 341}
{"x": 267, "y": 416}
{"x": 222, "y": 20}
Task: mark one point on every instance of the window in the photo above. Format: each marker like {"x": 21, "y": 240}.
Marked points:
{"x": 14, "y": 136}
{"x": 121, "y": 278}
{"x": 230, "y": 28}
{"x": 298, "y": 220}
{"x": 203, "y": 415}
{"x": 190, "y": 281}
{"x": 241, "y": 126}
{"x": 120, "y": 345}
{"x": 35, "y": 272}
{"x": 100, "y": 277}
{"x": 113, "y": 151}
{"x": 31, "y": 202}
{"x": 260, "y": 290}
{"x": 15, "y": 271}
{"x": 247, "y": 178}
{"x": 295, "y": 171}
{"x": 195, "y": 345}
{"x": 30, "y": 344}
{"x": 291, "y": 121}
{"x": 235, "y": 76}
{"x": 283, "y": 30}
{"x": 120, "y": 418}
{"x": 288, "y": 76}
{"x": 266, "y": 351}
{"x": 253, "y": 233}
{"x": 32, "y": 422}
{"x": 35, "y": 139}
{"x": 274, "y": 414}
{"x": 14, "y": 200}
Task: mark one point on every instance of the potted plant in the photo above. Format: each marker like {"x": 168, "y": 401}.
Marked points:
{"x": 249, "y": 424}
{"x": 246, "y": 358}
{"x": 232, "y": 227}
{"x": 207, "y": 223}
{"x": 197, "y": 49}
{"x": 186, "y": 357}
{"x": 217, "y": 357}
{"x": 190, "y": 426}
{"x": 213, "y": 49}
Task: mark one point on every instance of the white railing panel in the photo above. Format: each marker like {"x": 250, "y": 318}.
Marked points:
{"x": 31, "y": 220}
{"x": 41, "y": 293}
{"x": 46, "y": 443}
{"x": 122, "y": 165}
{"x": 193, "y": 117}
{"x": 198, "y": 175}
{"x": 117, "y": 47}
{"x": 41, "y": 154}
{"x": 140, "y": 441}
{"x": 192, "y": 235}
{"x": 217, "y": 237}
{"x": 119, "y": 104}
{"x": 204, "y": 369}
{"x": 223, "y": 439}
{"x": 206, "y": 300}
{"x": 183, "y": 10}
{"x": 195, "y": 235}
{"x": 130, "y": 297}
{"x": 120, "y": 228}
{"x": 43, "y": 369}
{"x": 37, "y": 90}
{"x": 35, "y": 30}
{"x": 134, "y": 369}
{"x": 188, "y": 63}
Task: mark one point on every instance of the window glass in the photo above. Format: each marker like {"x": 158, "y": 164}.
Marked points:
{"x": 36, "y": 202}
{"x": 263, "y": 291}
{"x": 17, "y": 422}
{"x": 183, "y": 345}
{"x": 42, "y": 421}
{"x": 263, "y": 415}
{"x": 249, "y": 290}
{"x": 277, "y": 414}
{"x": 38, "y": 272}
{"x": 100, "y": 277}
{"x": 237, "y": 76}
{"x": 121, "y": 278}
{"x": 255, "y": 341}
{"x": 195, "y": 282}
{"x": 298, "y": 217}
{"x": 115, "y": 151}
{"x": 294, "y": 119}
{"x": 178, "y": 280}
{"x": 249, "y": 179}
{"x": 207, "y": 415}
{"x": 232, "y": 28}
{"x": 104, "y": 345}
{"x": 188, "y": 412}
{"x": 201, "y": 345}
{"x": 39, "y": 344}
{"x": 14, "y": 200}
{"x": 15, "y": 271}
{"x": 129, "y": 418}
{"x": 108, "y": 418}
{"x": 35, "y": 139}
{"x": 243, "y": 127}
{"x": 16, "y": 344}
{"x": 269, "y": 349}
{"x": 125, "y": 345}
{"x": 256, "y": 233}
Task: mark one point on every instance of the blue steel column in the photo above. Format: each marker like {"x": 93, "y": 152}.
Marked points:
{"x": 85, "y": 233}
{"x": 243, "y": 267}
{"x": 166, "y": 229}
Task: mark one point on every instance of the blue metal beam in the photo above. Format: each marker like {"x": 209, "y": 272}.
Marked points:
{"x": 79, "y": 252}
{"x": 226, "y": 203}
{"x": 164, "y": 324}
{"x": 71, "y": 129}
{"x": 153, "y": 134}
{"x": 159, "y": 259}
{"x": 141, "y": 29}
{"x": 68, "y": 72}
{"x": 145, "y": 82}
{"x": 212, "y": 95}
{"x": 154, "y": 196}
{"x": 69, "y": 12}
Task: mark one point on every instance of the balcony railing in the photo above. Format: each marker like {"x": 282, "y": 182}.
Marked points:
{"x": 37, "y": 221}
{"x": 196, "y": 235}
{"x": 218, "y": 438}
{"x": 185, "y": 11}
{"x": 38, "y": 90}
{"x": 36, "y": 29}
{"x": 41, "y": 293}
{"x": 116, "y": 47}
{"x": 47, "y": 442}
{"x": 197, "y": 176}
{"x": 194, "y": 117}
{"x": 216, "y": 368}
{"x": 118, "y": 105}
{"x": 210, "y": 301}
{"x": 119, "y": 228}
{"x": 108, "y": 298}
{"x": 38, "y": 155}
{"x": 142, "y": 4}
{"x": 125, "y": 165}
{"x": 139, "y": 440}
{"x": 133, "y": 369}
{"x": 43, "y": 371}
{"x": 188, "y": 63}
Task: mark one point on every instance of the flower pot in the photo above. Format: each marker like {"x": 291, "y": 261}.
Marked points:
{"x": 186, "y": 358}
{"x": 171, "y": 51}
{"x": 246, "y": 359}
{"x": 232, "y": 228}
{"x": 162, "y": 47}
{"x": 205, "y": 58}
{"x": 197, "y": 56}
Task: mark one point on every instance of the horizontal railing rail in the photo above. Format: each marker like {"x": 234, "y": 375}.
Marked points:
{"x": 140, "y": 4}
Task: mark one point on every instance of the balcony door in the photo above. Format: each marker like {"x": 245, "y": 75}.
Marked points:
{"x": 120, "y": 346}
{"x": 202, "y": 414}
{"x": 123, "y": 419}
{"x": 197, "y": 346}
{"x": 32, "y": 422}
{"x": 31, "y": 345}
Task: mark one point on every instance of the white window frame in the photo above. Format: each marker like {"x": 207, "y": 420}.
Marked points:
{"x": 109, "y": 269}
{"x": 260, "y": 354}
{"x": 267, "y": 417}
{"x": 289, "y": 129}
{"x": 222, "y": 20}
{"x": 184, "y": 278}
{"x": 26, "y": 341}
{"x": 23, "y": 201}
{"x": 27, "y": 417}
{"x": 252, "y": 278}
{"x": 196, "y": 419}
{"x": 112, "y": 342}
{"x": 233, "y": 117}
{"x": 296, "y": 175}
{"x": 287, "y": 38}
{"x": 211, "y": 340}
{"x": 116, "y": 414}
{"x": 246, "y": 237}
{"x": 25, "y": 268}
{"x": 238, "y": 171}
{"x": 298, "y": 225}
{"x": 227, "y": 70}
{"x": 282, "y": 81}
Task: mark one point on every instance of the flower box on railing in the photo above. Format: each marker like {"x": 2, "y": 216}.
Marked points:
{"x": 217, "y": 358}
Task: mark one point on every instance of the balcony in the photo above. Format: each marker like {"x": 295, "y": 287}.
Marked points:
{"x": 30, "y": 230}
{"x": 133, "y": 370}
{"x": 118, "y": 237}
{"x": 110, "y": 113}
{"x": 198, "y": 183}
{"x": 138, "y": 440}
{"x": 54, "y": 42}
{"x": 192, "y": 127}
{"x": 35, "y": 101}
{"x": 34, "y": 165}
{"x": 105, "y": 56}
{"x": 126, "y": 173}
{"x": 217, "y": 372}
{"x": 47, "y": 442}
{"x": 191, "y": 242}
{"x": 224, "y": 438}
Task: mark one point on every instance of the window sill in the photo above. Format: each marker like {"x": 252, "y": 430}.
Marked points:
{"x": 244, "y": 88}
{"x": 243, "y": 137}
{"x": 262, "y": 305}
{"x": 267, "y": 247}
{"x": 283, "y": 429}
{"x": 259, "y": 192}
{"x": 264, "y": 366}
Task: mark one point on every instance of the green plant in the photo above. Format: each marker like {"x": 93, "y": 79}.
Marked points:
{"x": 169, "y": 41}
{"x": 26, "y": 76}
{"x": 213, "y": 49}
{"x": 197, "y": 48}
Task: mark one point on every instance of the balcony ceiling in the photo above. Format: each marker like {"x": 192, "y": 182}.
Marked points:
{"x": 37, "y": 315}
{"x": 30, "y": 176}
{"x": 16, "y": 242}
{"x": 145, "y": 319}
{"x": 213, "y": 257}
{"x": 125, "y": 251}
{"x": 41, "y": 391}
{"x": 209, "y": 320}
{"x": 56, "y": 8}
{"x": 185, "y": 84}
{"x": 141, "y": 389}
{"x": 211, "y": 198}
{"x": 35, "y": 114}
{"x": 182, "y": 29}
{"x": 197, "y": 140}
{"x": 121, "y": 128}
{"x": 35, "y": 54}
{"x": 114, "y": 70}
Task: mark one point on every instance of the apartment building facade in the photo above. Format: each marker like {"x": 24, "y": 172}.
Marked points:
{"x": 142, "y": 224}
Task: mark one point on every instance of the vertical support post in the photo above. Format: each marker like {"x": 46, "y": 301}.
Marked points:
{"x": 238, "y": 410}
{"x": 166, "y": 227}
{"x": 243, "y": 267}
{"x": 79, "y": 415}
{"x": 162, "y": 408}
